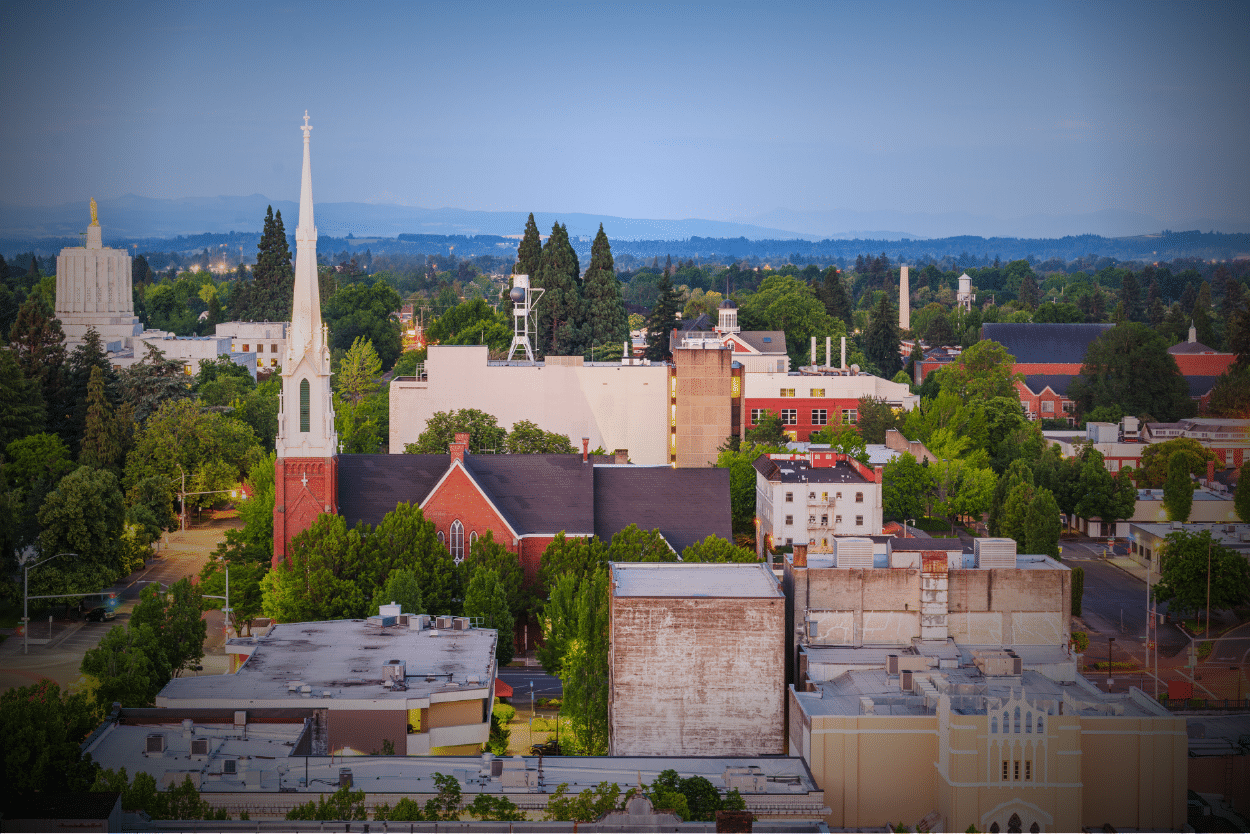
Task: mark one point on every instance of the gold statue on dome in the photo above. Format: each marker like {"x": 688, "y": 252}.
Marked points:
{"x": 95, "y": 221}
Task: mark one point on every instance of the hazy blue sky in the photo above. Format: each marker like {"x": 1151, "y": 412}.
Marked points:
{"x": 667, "y": 110}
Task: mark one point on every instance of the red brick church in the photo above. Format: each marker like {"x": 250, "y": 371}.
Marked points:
{"x": 524, "y": 500}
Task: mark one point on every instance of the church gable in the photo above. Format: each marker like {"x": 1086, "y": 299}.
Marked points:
{"x": 458, "y": 498}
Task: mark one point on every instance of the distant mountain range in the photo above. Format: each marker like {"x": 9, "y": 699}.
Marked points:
{"x": 144, "y": 217}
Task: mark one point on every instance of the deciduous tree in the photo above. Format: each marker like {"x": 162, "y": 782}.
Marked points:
{"x": 486, "y": 598}
{"x": 1129, "y": 366}
{"x": 1192, "y": 563}
{"x": 485, "y": 434}
{"x": 1178, "y": 490}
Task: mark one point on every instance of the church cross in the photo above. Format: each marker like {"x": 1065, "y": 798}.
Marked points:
{"x": 305, "y": 479}
{"x": 306, "y": 126}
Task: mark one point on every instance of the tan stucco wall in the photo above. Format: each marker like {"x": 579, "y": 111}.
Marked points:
{"x": 696, "y": 676}
{"x": 703, "y": 387}
{"x": 616, "y": 406}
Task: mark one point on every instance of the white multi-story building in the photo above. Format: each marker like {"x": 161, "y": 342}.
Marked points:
{"x": 267, "y": 339}
{"x": 811, "y": 498}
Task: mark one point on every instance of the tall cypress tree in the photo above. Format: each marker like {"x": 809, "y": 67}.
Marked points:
{"x": 273, "y": 278}
{"x": 662, "y": 320}
{"x": 39, "y": 345}
{"x": 529, "y": 253}
{"x": 560, "y": 309}
{"x": 881, "y": 338}
{"x": 606, "y": 320}
{"x": 833, "y": 293}
{"x": 101, "y": 440}
{"x": 85, "y": 359}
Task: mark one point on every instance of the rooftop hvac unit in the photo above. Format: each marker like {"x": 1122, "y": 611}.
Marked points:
{"x": 345, "y": 777}
{"x": 393, "y": 609}
{"x": 443, "y": 622}
{"x": 891, "y": 664}
{"x": 852, "y": 552}
{"x": 418, "y": 622}
{"x": 994, "y": 553}
{"x": 199, "y": 747}
{"x": 463, "y": 624}
{"x": 230, "y": 767}
{"x": 402, "y": 620}
{"x": 393, "y": 672}
{"x": 905, "y": 680}
{"x": 154, "y": 744}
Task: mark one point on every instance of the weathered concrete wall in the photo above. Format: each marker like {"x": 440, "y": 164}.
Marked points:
{"x": 697, "y": 676}
{"x": 1011, "y": 607}
{"x": 703, "y": 388}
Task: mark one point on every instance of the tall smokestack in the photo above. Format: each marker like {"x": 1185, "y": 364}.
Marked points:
{"x": 813, "y": 351}
{"x": 904, "y": 300}
{"x": 828, "y": 351}
{"x": 844, "y": 353}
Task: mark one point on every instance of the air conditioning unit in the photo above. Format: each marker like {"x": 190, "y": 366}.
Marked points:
{"x": 154, "y": 744}
{"x": 345, "y": 777}
{"x": 199, "y": 747}
{"x": 891, "y": 664}
{"x": 463, "y": 624}
{"x": 443, "y": 622}
{"x": 905, "y": 680}
{"x": 230, "y": 767}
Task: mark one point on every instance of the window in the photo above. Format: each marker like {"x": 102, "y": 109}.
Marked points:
{"x": 824, "y": 520}
{"x": 839, "y": 495}
{"x": 457, "y": 541}
{"x": 1048, "y": 407}
{"x": 187, "y": 369}
{"x": 820, "y": 416}
{"x": 1005, "y": 770}
{"x": 789, "y": 497}
{"x": 1028, "y": 771}
{"x": 787, "y": 392}
{"x": 859, "y": 498}
{"x": 441, "y": 540}
{"x": 1016, "y": 770}
{"x": 472, "y": 540}
{"x": 789, "y": 416}
{"x": 859, "y": 521}
{"x": 273, "y": 348}
{"x": 245, "y": 349}
{"x": 303, "y": 405}
{"x": 850, "y": 415}
{"x": 789, "y": 520}
{"x": 757, "y": 414}
{"x": 818, "y": 392}
{"x": 837, "y": 519}
{"x": 789, "y": 542}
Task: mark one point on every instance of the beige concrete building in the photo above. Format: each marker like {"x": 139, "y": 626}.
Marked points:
{"x": 423, "y": 684}
{"x": 94, "y": 291}
{"x": 696, "y": 660}
{"x": 703, "y": 384}
{"x": 979, "y": 738}
{"x": 267, "y": 339}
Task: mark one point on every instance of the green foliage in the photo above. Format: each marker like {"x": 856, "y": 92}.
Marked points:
{"x": 485, "y": 434}
{"x": 343, "y": 804}
{"x": 694, "y": 798}
{"x": 337, "y": 573}
{"x": 587, "y": 806}
{"x": 253, "y": 543}
{"x": 177, "y": 628}
{"x": 1156, "y": 460}
{"x": 584, "y": 671}
{"x": 1178, "y": 489}
{"x": 1185, "y": 576}
{"x": 267, "y": 297}
{"x": 875, "y": 418}
{"x": 472, "y": 323}
{"x": 486, "y": 553}
{"x": 500, "y": 717}
{"x": 982, "y": 371}
{"x": 716, "y": 549}
{"x": 42, "y": 728}
{"x": 1078, "y": 593}
{"x": 741, "y": 468}
{"x": 360, "y": 311}
{"x": 526, "y": 438}
{"x": 104, "y": 435}
{"x": 1080, "y": 641}
{"x": 1129, "y": 366}
{"x": 529, "y": 252}
{"x": 1231, "y": 395}
{"x": 786, "y": 303}
{"x": 605, "y": 321}
{"x": 768, "y": 431}
{"x": 180, "y": 802}
{"x": 1042, "y": 526}
{"x": 487, "y": 806}
{"x": 843, "y": 439}
{"x": 123, "y": 666}
{"x": 402, "y": 588}
{"x": 662, "y": 320}
{"x": 486, "y": 598}
{"x": 359, "y": 373}
{"x": 154, "y": 380}
{"x": 560, "y": 330}
{"x": 22, "y": 410}
{"x": 904, "y": 486}
{"x": 1241, "y": 497}
{"x": 84, "y": 516}
{"x": 881, "y": 342}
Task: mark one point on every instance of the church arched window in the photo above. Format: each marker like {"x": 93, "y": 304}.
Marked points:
{"x": 472, "y": 541}
{"x": 440, "y": 538}
{"x": 457, "y": 541}
{"x": 303, "y": 405}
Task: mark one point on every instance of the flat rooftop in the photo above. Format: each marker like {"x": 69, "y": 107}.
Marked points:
{"x": 343, "y": 660}
{"x": 677, "y": 579}
{"x": 800, "y": 471}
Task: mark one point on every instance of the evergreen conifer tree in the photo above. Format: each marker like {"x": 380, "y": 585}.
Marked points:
{"x": 881, "y": 338}
{"x": 662, "y": 320}
{"x": 606, "y": 320}
{"x": 833, "y": 293}
{"x": 87, "y": 357}
{"x": 560, "y": 314}
{"x": 102, "y": 437}
{"x": 39, "y": 346}
{"x": 529, "y": 253}
{"x": 273, "y": 278}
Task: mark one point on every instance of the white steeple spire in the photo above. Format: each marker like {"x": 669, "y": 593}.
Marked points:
{"x": 306, "y": 423}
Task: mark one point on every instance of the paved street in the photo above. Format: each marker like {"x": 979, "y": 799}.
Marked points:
{"x": 59, "y": 659}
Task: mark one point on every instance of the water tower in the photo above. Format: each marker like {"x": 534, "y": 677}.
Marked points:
{"x": 524, "y": 300}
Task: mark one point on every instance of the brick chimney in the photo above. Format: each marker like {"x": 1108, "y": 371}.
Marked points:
{"x": 459, "y": 447}
{"x": 877, "y": 477}
{"x": 585, "y": 449}
{"x": 800, "y": 555}
{"x": 620, "y": 456}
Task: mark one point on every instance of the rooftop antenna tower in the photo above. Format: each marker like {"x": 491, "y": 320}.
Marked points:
{"x": 524, "y": 301}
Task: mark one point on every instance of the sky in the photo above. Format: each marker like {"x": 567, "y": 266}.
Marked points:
{"x": 720, "y": 111}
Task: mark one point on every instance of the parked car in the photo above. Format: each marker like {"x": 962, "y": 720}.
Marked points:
{"x": 548, "y": 748}
{"x": 99, "y": 615}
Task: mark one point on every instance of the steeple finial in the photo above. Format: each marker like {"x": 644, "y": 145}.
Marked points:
{"x": 305, "y": 126}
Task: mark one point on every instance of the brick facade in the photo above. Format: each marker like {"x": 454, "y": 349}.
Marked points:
{"x": 303, "y": 489}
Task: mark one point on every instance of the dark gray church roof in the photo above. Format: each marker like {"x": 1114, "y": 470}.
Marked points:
{"x": 1057, "y": 382}
{"x": 1045, "y": 343}
{"x": 371, "y": 485}
{"x": 685, "y": 505}
{"x": 1200, "y": 386}
{"x": 539, "y": 494}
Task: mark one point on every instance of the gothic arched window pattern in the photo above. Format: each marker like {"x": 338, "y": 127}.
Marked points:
{"x": 303, "y": 405}
{"x": 1013, "y": 824}
{"x": 457, "y": 541}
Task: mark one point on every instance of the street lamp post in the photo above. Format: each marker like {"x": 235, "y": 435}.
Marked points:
{"x": 1110, "y": 646}
{"x": 26, "y": 598}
